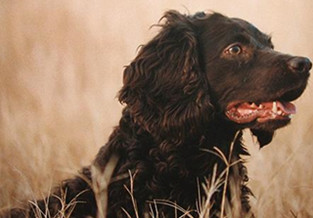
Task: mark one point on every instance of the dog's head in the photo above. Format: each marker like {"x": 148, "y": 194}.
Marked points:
{"x": 251, "y": 83}
{"x": 208, "y": 66}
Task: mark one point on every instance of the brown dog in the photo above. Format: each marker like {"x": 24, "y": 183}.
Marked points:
{"x": 193, "y": 87}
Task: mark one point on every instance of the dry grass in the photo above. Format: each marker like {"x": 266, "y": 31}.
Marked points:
{"x": 61, "y": 67}
{"x": 212, "y": 185}
{"x": 100, "y": 184}
{"x": 101, "y": 180}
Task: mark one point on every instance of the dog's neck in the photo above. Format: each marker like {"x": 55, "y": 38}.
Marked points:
{"x": 218, "y": 133}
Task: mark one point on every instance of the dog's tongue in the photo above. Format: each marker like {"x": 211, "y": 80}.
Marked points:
{"x": 248, "y": 112}
{"x": 285, "y": 107}
{"x": 274, "y": 106}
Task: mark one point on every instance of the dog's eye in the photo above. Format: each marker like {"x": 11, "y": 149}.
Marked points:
{"x": 234, "y": 50}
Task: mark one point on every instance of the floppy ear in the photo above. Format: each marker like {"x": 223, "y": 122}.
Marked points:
{"x": 264, "y": 137}
{"x": 164, "y": 87}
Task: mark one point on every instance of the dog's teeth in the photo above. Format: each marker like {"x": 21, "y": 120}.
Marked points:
{"x": 274, "y": 108}
{"x": 279, "y": 112}
{"x": 261, "y": 106}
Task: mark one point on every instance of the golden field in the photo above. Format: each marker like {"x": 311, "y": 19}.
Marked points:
{"x": 61, "y": 67}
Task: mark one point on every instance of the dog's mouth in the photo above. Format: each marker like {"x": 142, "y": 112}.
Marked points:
{"x": 278, "y": 109}
{"x": 247, "y": 112}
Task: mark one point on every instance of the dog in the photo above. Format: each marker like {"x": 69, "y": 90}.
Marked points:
{"x": 188, "y": 95}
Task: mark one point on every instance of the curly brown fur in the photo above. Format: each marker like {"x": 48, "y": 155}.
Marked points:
{"x": 188, "y": 91}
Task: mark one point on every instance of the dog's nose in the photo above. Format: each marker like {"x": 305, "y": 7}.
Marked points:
{"x": 300, "y": 65}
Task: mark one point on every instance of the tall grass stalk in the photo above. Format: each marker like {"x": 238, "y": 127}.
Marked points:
{"x": 100, "y": 183}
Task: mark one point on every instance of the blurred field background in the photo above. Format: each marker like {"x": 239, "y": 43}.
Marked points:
{"x": 61, "y": 67}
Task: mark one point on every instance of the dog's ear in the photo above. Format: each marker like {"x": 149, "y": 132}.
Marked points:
{"x": 164, "y": 87}
{"x": 264, "y": 137}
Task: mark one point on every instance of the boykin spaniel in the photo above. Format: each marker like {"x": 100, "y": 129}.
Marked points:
{"x": 188, "y": 95}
